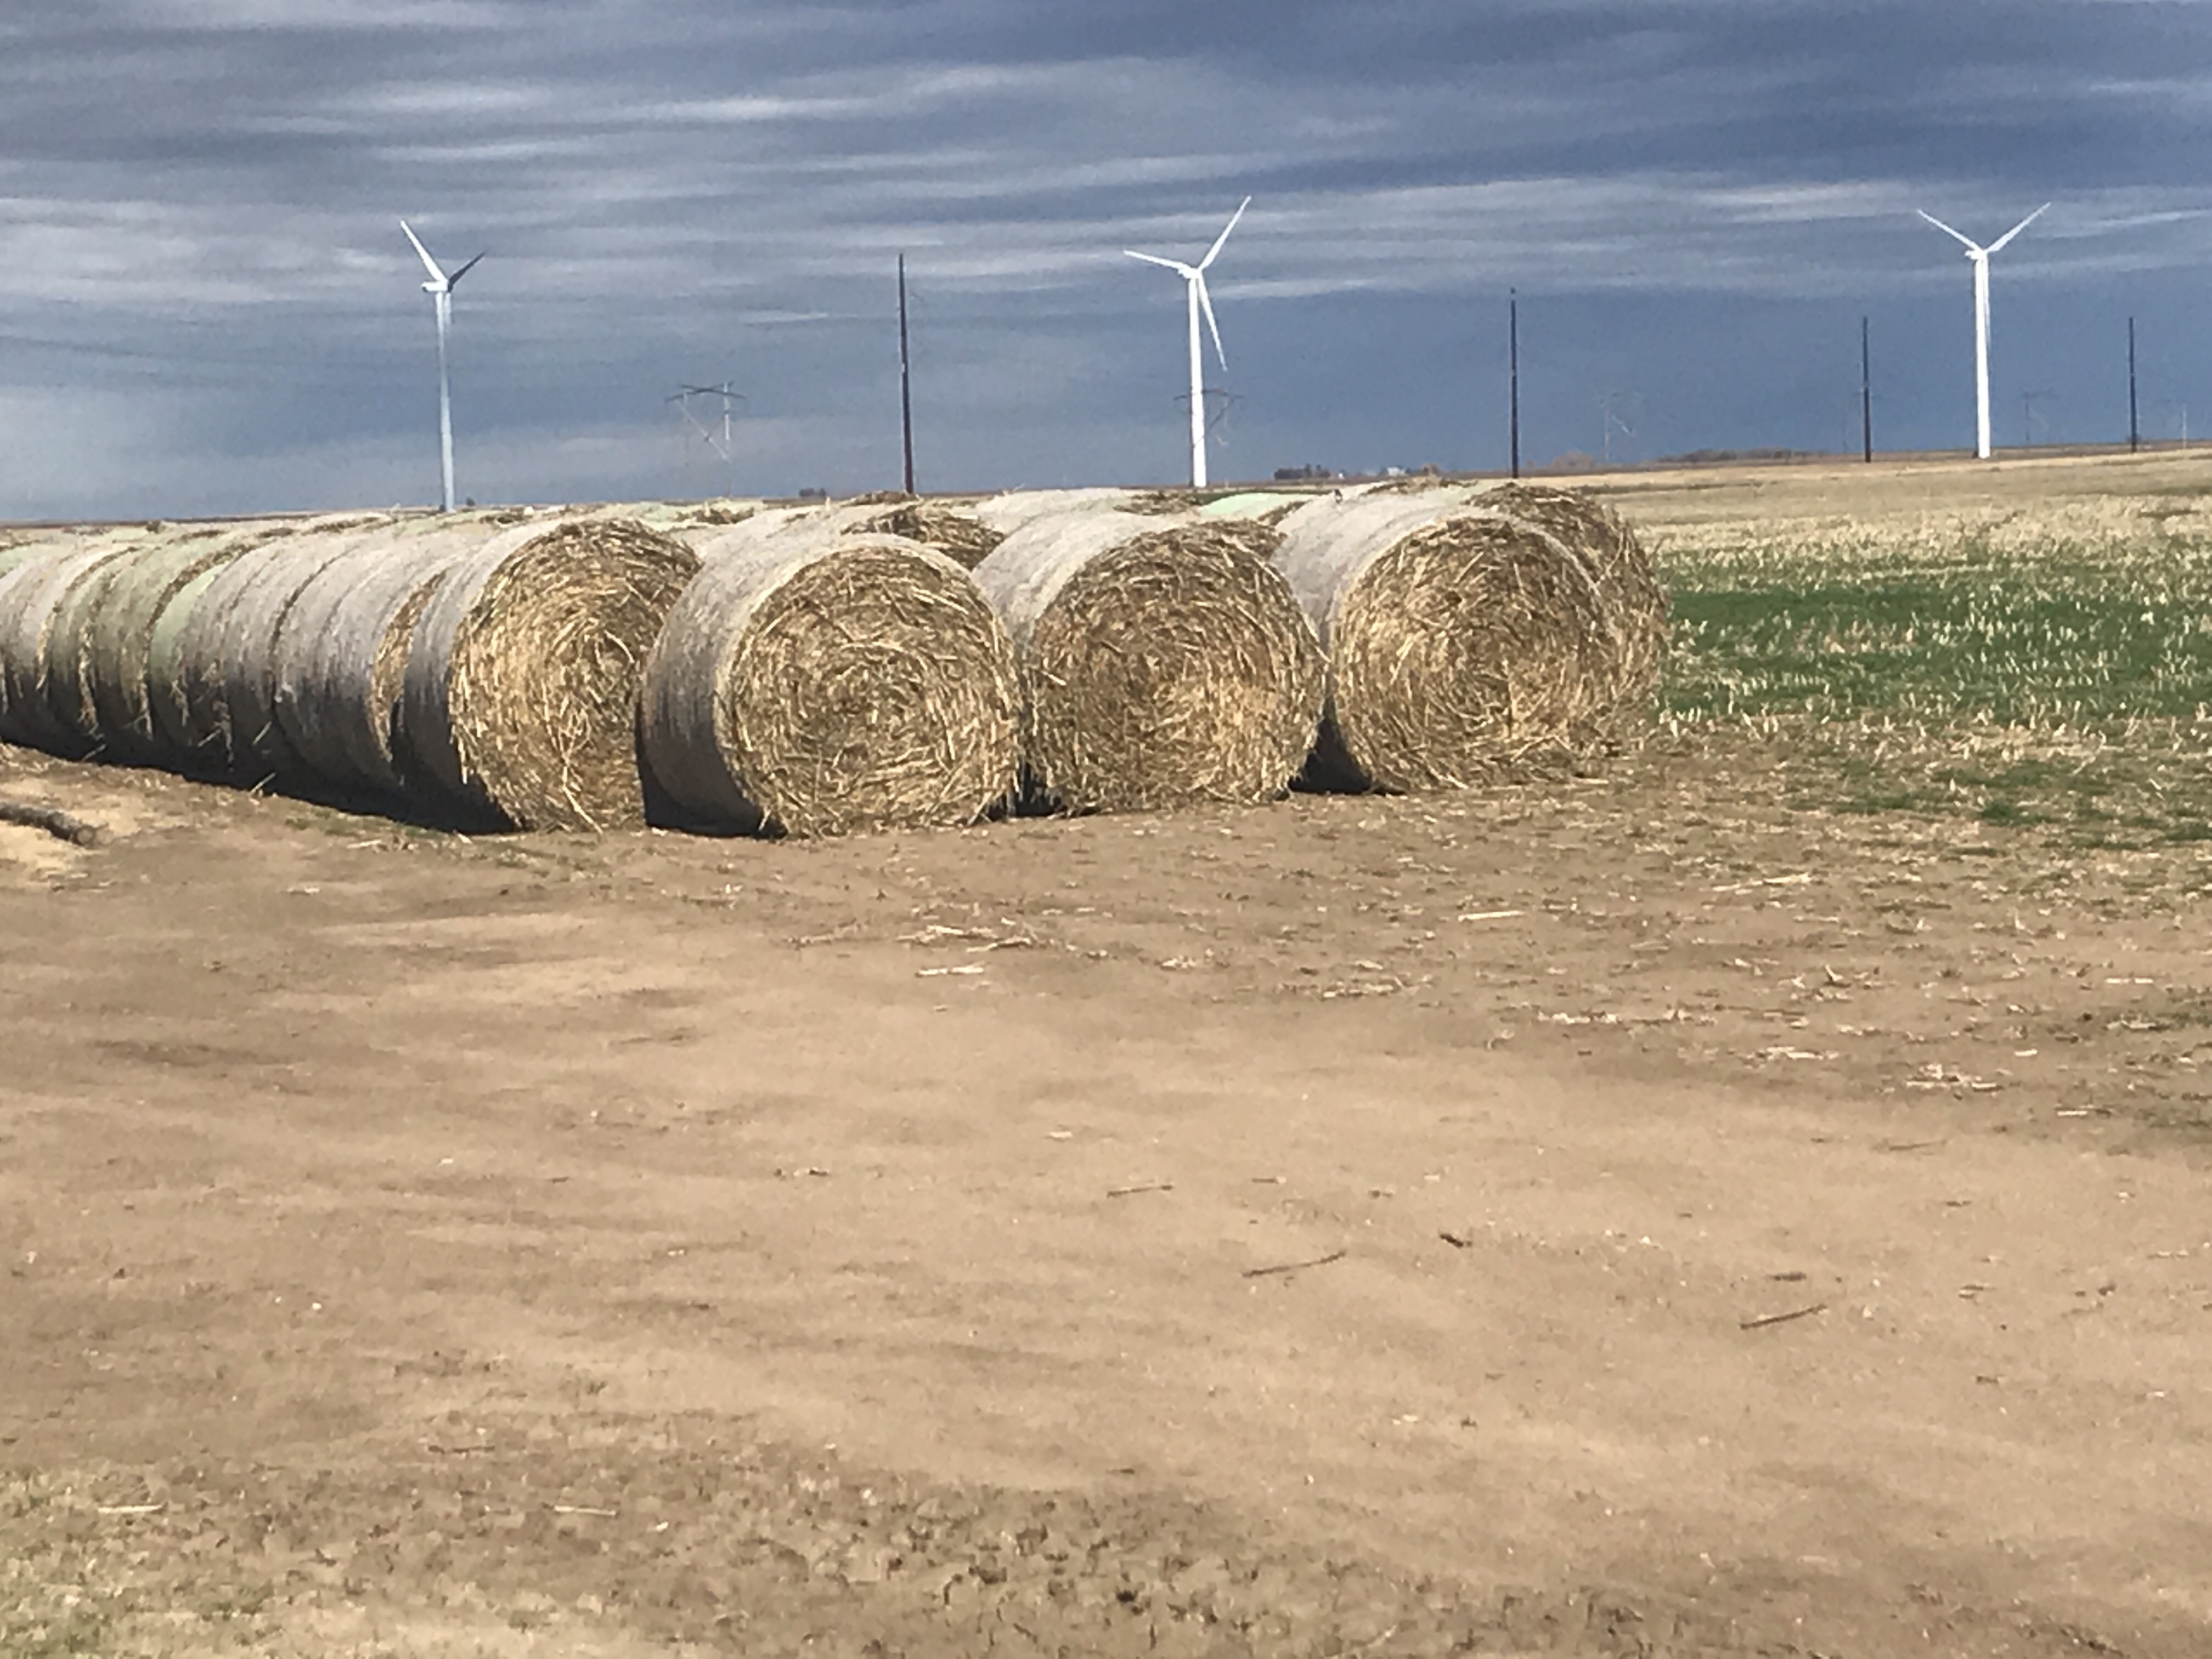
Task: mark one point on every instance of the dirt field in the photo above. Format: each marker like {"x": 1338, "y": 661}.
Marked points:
{"x": 1633, "y": 1216}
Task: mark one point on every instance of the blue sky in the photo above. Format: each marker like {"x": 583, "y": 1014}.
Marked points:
{"x": 206, "y": 304}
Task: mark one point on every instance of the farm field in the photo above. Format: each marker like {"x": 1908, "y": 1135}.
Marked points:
{"x": 1750, "y": 1201}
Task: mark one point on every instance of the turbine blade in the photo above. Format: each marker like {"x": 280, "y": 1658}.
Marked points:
{"x": 463, "y": 271}
{"x": 2019, "y": 228}
{"x": 1223, "y": 237}
{"x": 428, "y": 264}
{"x": 1971, "y": 245}
{"x": 1206, "y": 305}
{"x": 1175, "y": 266}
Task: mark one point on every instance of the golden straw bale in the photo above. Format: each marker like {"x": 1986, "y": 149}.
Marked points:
{"x": 816, "y": 680}
{"x": 521, "y": 690}
{"x": 1164, "y": 659}
{"x": 1461, "y": 640}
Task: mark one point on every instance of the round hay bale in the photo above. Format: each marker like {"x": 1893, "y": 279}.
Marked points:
{"x": 97, "y": 666}
{"x": 32, "y": 599}
{"x": 816, "y": 681}
{"x": 23, "y": 550}
{"x": 1007, "y": 512}
{"x": 340, "y": 656}
{"x": 177, "y": 739}
{"x": 1460, "y": 641}
{"x": 215, "y": 716}
{"x": 1162, "y": 662}
{"x": 1628, "y": 584}
{"x": 522, "y": 677}
{"x": 955, "y": 531}
{"x": 256, "y": 616}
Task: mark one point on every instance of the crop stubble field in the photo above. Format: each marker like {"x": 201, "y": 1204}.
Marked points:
{"x": 1748, "y": 1200}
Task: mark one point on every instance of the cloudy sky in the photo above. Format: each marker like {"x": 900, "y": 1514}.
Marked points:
{"x": 206, "y": 304}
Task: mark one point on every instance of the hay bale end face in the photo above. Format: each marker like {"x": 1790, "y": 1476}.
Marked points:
{"x": 521, "y": 690}
{"x": 1628, "y": 585}
{"x": 1460, "y": 641}
{"x": 1164, "y": 659}
{"x": 818, "y": 680}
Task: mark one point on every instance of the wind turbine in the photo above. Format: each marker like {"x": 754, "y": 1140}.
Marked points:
{"x": 1980, "y": 256}
{"x": 440, "y": 288}
{"x": 1194, "y": 277}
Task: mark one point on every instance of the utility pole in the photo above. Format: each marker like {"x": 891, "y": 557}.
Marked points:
{"x": 1513, "y": 373}
{"x": 2135, "y": 432}
{"x": 905, "y": 381}
{"x": 1866, "y": 395}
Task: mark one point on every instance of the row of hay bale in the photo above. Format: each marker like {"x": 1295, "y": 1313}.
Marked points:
{"x": 880, "y": 662}
{"x": 485, "y": 666}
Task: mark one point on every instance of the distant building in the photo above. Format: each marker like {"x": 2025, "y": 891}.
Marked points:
{"x": 813, "y": 493}
{"x": 1302, "y": 474}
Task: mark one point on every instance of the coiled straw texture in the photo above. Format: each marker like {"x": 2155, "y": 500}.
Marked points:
{"x": 1164, "y": 659}
{"x": 818, "y": 680}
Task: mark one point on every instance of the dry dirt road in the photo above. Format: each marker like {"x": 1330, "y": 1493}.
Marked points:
{"x": 1628, "y": 1217}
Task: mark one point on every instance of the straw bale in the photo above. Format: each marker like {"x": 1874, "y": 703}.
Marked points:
{"x": 1628, "y": 584}
{"x": 955, "y": 531}
{"x": 1461, "y": 640}
{"x": 818, "y": 680}
{"x": 1164, "y": 660}
{"x": 521, "y": 689}
{"x": 340, "y": 657}
{"x": 32, "y": 599}
{"x": 98, "y": 656}
{"x": 222, "y": 658}
{"x": 257, "y": 614}
{"x": 1009, "y": 512}
{"x": 177, "y": 739}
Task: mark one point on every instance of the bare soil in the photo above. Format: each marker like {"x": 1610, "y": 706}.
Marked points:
{"x": 1636, "y": 1215}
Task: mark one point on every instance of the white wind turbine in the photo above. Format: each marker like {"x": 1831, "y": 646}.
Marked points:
{"x": 1194, "y": 277}
{"x": 1980, "y": 256}
{"x": 440, "y": 288}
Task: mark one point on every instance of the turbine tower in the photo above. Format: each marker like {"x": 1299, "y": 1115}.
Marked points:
{"x": 1194, "y": 279}
{"x": 440, "y": 288}
{"x": 1980, "y": 256}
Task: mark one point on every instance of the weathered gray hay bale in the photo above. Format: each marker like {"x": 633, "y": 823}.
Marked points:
{"x": 1628, "y": 584}
{"x": 22, "y": 548}
{"x": 1164, "y": 660}
{"x": 177, "y": 739}
{"x": 96, "y": 650}
{"x": 256, "y": 615}
{"x": 1460, "y": 641}
{"x": 522, "y": 677}
{"x": 340, "y": 657}
{"x": 816, "y": 680}
{"x": 216, "y": 714}
{"x": 31, "y": 598}
{"x": 1009, "y": 511}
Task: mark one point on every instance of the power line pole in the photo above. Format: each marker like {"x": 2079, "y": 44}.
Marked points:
{"x": 2135, "y": 432}
{"x": 905, "y": 381}
{"x": 1513, "y": 360}
{"x": 1866, "y": 395}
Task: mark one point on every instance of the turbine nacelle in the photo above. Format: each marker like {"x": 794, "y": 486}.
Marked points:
{"x": 1975, "y": 250}
{"x": 440, "y": 282}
